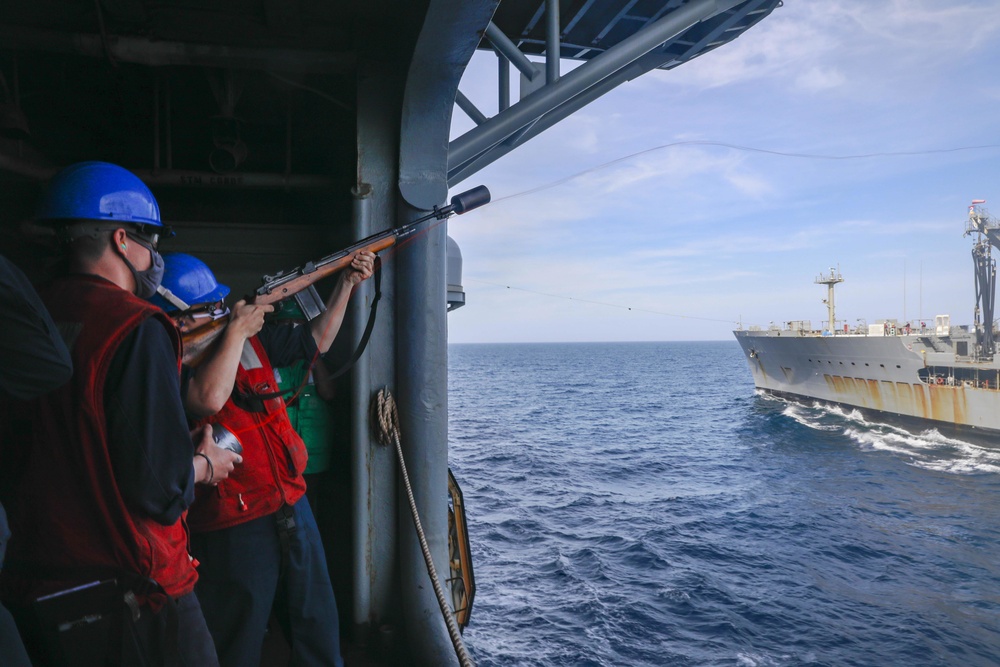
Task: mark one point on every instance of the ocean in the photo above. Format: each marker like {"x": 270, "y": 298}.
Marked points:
{"x": 637, "y": 504}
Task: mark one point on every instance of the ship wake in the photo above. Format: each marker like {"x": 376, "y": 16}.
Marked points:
{"x": 929, "y": 449}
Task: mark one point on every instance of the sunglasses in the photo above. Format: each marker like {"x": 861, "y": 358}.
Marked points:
{"x": 150, "y": 241}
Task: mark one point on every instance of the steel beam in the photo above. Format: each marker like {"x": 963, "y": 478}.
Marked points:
{"x": 509, "y": 49}
{"x": 652, "y": 60}
{"x": 477, "y": 141}
{"x": 553, "y": 50}
{"x": 185, "y": 178}
{"x": 466, "y": 105}
{"x": 503, "y": 82}
{"x": 156, "y": 53}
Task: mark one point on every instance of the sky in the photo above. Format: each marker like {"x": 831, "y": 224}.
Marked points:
{"x": 638, "y": 218}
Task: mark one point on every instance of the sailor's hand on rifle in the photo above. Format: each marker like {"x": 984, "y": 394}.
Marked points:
{"x": 247, "y": 319}
{"x": 325, "y": 327}
{"x": 360, "y": 268}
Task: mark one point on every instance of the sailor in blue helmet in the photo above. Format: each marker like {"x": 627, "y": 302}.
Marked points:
{"x": 111, "y": 467}
{"x": 189, "y": 286}
{"x": 97, "y": 200}
{"x": 255, "y": 534}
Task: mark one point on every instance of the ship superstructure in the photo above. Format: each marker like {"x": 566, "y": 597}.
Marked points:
{"x": 939, "y": 374}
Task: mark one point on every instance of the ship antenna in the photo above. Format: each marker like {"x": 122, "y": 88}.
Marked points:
{"x": 830, "y": 281}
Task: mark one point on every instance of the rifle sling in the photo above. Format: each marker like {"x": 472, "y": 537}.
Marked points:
{"x": 371, "y": 322}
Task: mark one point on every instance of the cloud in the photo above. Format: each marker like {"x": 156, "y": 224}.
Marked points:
{"x": 810, "y": 45}
{"x": 820, "y": 78}
{"x": 923, "y": 24}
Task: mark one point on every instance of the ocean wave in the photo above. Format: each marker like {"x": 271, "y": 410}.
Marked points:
{"x": 809, "y": 417}
{"x": 928, "y": 449}
{"x": 752, "y": 659}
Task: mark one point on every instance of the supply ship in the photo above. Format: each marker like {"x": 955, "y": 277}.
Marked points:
{"x": 274, "y": 132}
{"x": 935, "y": 375}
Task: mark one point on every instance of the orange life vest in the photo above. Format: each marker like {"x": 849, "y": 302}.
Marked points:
{"x": 274, "y": 456}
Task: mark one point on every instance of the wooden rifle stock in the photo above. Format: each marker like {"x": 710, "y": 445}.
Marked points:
{"x": 288, "y": 283}
{"x": 197, "y": 342}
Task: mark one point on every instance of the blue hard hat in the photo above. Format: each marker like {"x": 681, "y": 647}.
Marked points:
{"x": 99, "y": 191}
{"x": 190, "y": 280}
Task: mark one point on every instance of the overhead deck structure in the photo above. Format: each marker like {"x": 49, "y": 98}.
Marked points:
{"x": 618, "y": 40}
{"x": 273, "y": 131}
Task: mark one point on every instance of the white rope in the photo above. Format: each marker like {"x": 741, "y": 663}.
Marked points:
{"x": 388, "y": 434}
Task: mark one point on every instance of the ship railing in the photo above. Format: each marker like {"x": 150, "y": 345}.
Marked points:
{"x": 950, "y": 376}
{"x": 980, "y": 220}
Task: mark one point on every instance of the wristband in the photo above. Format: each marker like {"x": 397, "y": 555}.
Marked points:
{"x": 211, "y": 471}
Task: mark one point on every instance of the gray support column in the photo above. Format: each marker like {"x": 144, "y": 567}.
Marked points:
{"x": 375, "y": 541}
{"x": 422, "y": 397}
{"x": 361, "y": 447}
{"x": 503, "y": 82}
{"x": 552, "y": 41}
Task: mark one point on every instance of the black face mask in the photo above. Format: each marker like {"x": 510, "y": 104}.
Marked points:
{"x": 146, "y": 281}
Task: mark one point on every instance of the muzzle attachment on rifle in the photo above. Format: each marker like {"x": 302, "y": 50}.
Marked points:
{"x": 465, "y": 201}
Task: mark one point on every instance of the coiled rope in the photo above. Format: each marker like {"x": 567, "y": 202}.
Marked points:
{"x": 387, "y": 417}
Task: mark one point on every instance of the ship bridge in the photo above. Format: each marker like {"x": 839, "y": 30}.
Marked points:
{"x": 273, "y": 131}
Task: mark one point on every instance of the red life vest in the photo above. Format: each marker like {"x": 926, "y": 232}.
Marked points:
{"x": 274, "y": 455}
{"x": 71, "y": 516}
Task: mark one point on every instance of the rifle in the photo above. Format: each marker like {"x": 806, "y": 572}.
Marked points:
{"x": 285, "y": 284}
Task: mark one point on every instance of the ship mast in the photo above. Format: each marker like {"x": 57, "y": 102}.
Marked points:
{"x": 830, "y": 281}
{"x": 987, "y": 231}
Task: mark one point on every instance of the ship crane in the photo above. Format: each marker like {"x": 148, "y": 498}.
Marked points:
{"x": 987, "y": 231}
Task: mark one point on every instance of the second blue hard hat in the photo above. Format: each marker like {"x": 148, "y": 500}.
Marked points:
{"x": 190, "y": 280}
